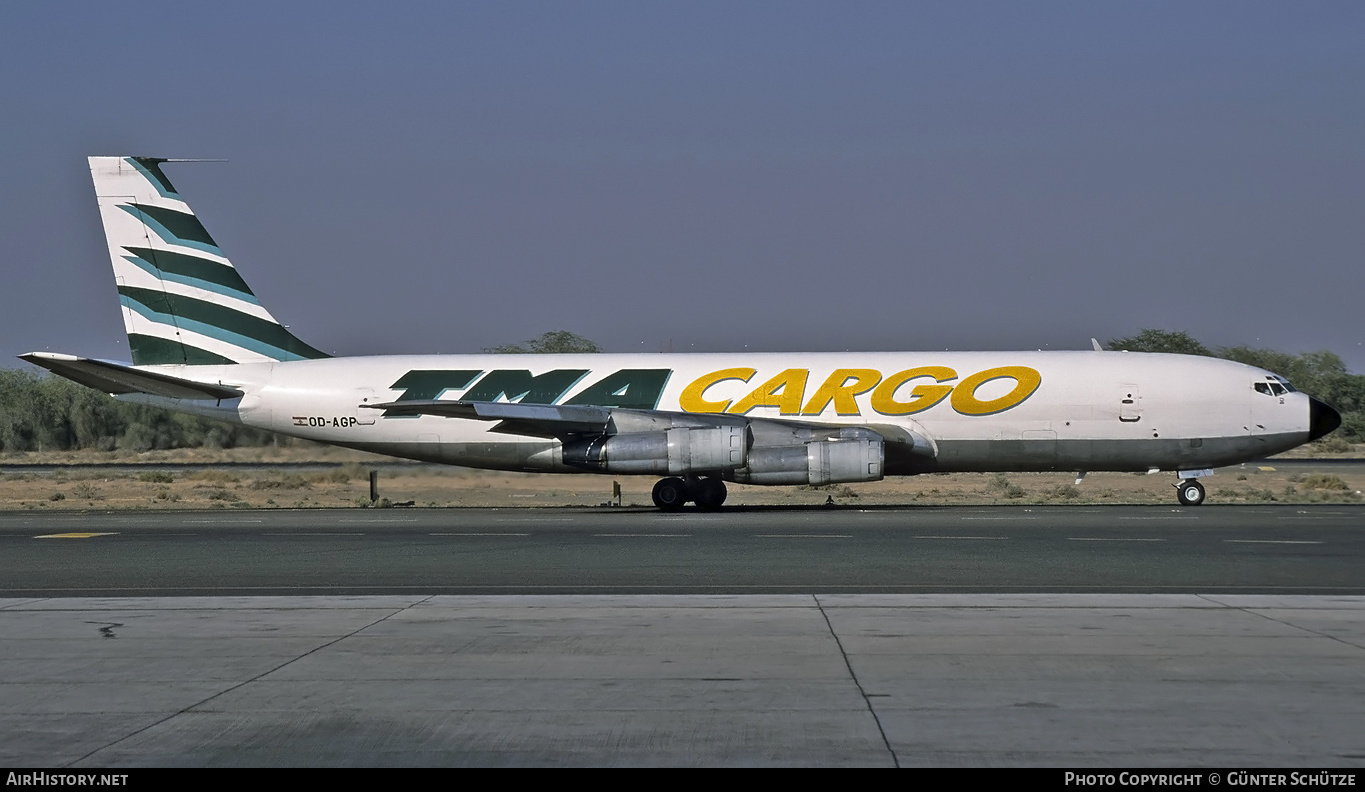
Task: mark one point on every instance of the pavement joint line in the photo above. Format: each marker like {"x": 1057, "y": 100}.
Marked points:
{"x": 961, "y": 537}
{"x": 1272, "y": 541}
{"x": 1111, "y": 539}
{"x": 620, "y": 535}
{"x": 259, "y": 676}
{"x": 803, "y": 536}
{"x": 475, "y": 533}
{"x": 867, "y": 700}
{"x": 1257, "y": 612}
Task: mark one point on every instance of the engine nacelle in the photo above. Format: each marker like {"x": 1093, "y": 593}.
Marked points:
{"x": 858, "y": 455}
{"x": 672, "y": 452}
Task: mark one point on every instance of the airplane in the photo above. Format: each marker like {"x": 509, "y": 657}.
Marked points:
{"x": 202, "y": 343}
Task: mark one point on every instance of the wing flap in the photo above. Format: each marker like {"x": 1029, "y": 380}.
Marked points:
{"x": 117, "y": 378}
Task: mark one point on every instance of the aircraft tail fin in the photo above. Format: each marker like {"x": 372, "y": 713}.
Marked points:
{"x": 183, "y": 301}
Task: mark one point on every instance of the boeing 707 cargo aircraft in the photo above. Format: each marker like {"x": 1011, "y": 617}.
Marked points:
{"x": 202, "y": 343}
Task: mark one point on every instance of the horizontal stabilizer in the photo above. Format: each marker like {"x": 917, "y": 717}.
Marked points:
{"x": 117, "y": 378}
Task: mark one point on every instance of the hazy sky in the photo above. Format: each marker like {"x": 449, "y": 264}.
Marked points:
{"x": 443, "y": 177}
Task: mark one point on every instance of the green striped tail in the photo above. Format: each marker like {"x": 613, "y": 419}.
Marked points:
{"x": 184, "y": 303}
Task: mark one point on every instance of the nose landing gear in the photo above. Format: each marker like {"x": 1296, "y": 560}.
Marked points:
{"x": 673, "y": 493}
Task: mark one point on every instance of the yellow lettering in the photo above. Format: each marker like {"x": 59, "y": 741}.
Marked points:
{"x": 964, "y": 395}
{"x": 921, "y": 398}
{"x": 783, "y": 391}
{"x": 838, "y": 390}
{"x": 693, "y": 397}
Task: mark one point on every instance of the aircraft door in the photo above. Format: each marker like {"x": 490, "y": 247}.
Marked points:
{"x": 1130, "y": 403}
{"x": 364, "y": 416}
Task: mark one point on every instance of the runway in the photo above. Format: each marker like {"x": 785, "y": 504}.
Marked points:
{"x": 1137, "y": 549}
{"x": 1067, "y": 681}
{"x": 1219, "y": 637}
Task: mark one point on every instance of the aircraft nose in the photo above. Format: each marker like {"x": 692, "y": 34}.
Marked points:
{"x": 1321, "y": 419}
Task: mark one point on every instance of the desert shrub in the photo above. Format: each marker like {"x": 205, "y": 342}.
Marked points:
{"x": 1325, "y": 481}
{"x": 339, "y": 475}
{"x": 1065, "y": 492}
{"x": 999, "y": 485}
{"x": 86, "y": 490}
{"x": 285, "y": 481}
{"x": 1331, "y": 444}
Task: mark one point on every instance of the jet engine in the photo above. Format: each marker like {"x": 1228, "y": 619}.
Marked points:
{"x": 855, "y": 455}
{"x": 673, "y": 451}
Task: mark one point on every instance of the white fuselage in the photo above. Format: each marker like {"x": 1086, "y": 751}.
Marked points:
{"x": 980, "y": 411}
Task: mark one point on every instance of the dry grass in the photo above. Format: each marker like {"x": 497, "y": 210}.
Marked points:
{"x": 348, "y": 487}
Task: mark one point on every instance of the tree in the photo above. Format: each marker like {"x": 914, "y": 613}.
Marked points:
{"x": 49, "y": 413}
{"x": 553, "y": 342}
{"x": 1152, "y": 340}
{"x": 1322, "y": 375}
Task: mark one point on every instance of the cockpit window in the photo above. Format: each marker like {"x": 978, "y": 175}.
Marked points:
{"x": 1273, "y": 386}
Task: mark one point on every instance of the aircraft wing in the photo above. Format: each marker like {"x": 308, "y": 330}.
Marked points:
{"x": 568, "y": 421}
{"x": 534, "y": 420}
{"x": 117, "y": 378}
{"x": 554, "y": 420}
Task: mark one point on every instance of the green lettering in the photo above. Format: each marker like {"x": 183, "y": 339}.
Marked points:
{"x": 423, "y": 385}
{"x": 636, "y": 389}
{"x": 520, "y": 385}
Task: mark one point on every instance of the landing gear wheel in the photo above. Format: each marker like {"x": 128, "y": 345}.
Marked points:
{"x": 709, "y": 493}
{"x": 670, "y": 494}
{"x": 1190, "y": 492}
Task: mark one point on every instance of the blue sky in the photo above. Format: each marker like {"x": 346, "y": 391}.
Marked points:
{"x": 711, "y": 176}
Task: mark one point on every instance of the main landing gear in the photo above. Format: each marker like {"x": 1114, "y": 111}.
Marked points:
{"x": 1190, "y": 492}
{"x": 671, "y": 494}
